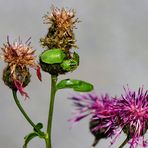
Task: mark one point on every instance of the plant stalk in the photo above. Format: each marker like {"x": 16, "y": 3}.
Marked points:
{"x": 51, "y": 109}
{"x": 95, "y": 143}
{"x": 21, "y": 108}
{"x": 124, "y": 142}
{"x": 24, "y": 113}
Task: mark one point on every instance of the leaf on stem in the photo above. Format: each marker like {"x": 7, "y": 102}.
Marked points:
{"x": 76, "y": 85}
{"x": 34, "y": 134}
{"x": 28, "y": 138}
{"x": 38, "y": 127}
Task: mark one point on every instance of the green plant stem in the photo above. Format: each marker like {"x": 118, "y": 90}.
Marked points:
{"x": 21, "y": 108}
{"x": 51, "y": 109}
{"x": 47, "y": 143}
{"x": 24, "y": 113}
{"x": 95, "y": 143}
{"x": 124, "y": 142}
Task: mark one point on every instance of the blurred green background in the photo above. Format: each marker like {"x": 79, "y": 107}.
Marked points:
{"x": 113, "y": 46}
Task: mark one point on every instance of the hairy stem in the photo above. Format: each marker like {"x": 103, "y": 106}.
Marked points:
{"x": 124, "y": 142}
{"x": 51, "y": 109}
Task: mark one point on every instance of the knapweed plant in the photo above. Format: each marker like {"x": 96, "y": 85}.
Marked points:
{"x": 59, "y": 57}
{"x": 109, "y": 116}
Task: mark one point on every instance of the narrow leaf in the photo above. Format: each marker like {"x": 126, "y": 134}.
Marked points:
{"x": 39, "y": 126}
{"x": 28, "y": 138}
{"x": 34, "y": 134}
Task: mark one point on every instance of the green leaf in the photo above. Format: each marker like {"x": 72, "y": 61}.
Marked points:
{"x": 83, "y": 87}
{"x": 39, "y": 126}
{"x": 53, "y": 56}
{"x": 77, "y": 85}
{"x": 28, "y": 138}
{"x": 34, "y": 134}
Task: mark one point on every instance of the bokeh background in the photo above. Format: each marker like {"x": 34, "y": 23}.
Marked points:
{"x": 113, "y": 45}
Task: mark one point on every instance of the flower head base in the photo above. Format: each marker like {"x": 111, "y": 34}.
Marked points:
{"x": 60, "y": 33}
{"x": 133, "y": 111}
{"x": 19, "y": 56}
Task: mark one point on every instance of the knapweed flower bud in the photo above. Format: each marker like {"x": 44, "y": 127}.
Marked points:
{"x": 19, "y": 57}
{"x": 60, "y": 33}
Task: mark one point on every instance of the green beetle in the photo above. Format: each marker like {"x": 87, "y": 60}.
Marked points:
{"x": 53, "y": 56}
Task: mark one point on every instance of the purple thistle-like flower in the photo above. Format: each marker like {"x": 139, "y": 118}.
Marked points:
{"x": 110, "y": 116}
{"x": 133, "y": 115}
{"x": 85, "y": 105}
{"x": 101, "y": 109}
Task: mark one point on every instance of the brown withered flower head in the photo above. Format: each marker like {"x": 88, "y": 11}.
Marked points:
{"x": 60, "y": 34}
{"x": 19, "y": 57}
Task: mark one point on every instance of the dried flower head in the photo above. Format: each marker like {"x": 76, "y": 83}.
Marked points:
{"x": 64, "y": 19}
{"x": 133, "y": 111}
{"x": 19, "y": 56}
{"x": 60, "y": 33}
